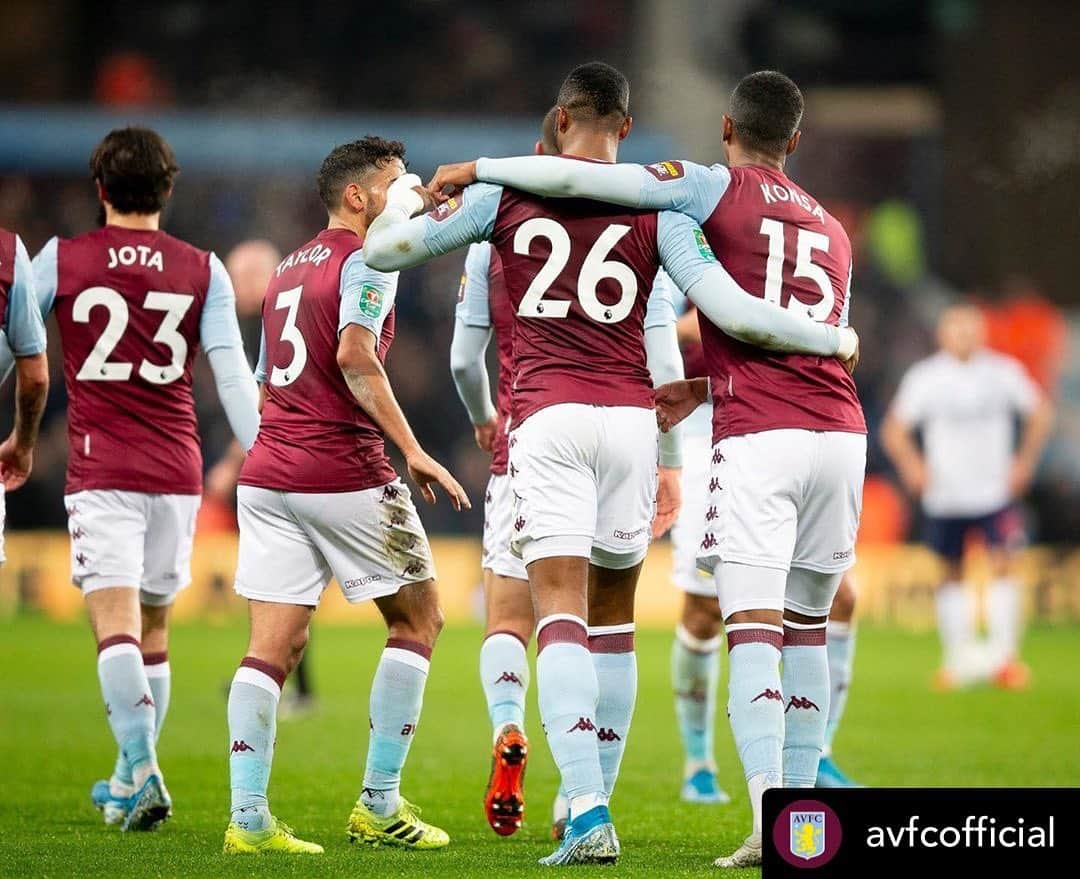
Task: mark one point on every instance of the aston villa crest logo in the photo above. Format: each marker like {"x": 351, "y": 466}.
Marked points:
{"x": 807, "y": 834}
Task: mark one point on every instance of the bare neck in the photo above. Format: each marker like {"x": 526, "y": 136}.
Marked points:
{"x": 592, "y": 145}
{"x": 738, "y": 155}
{"x": 145, "y": 222}
{"x": 355, "y": 223}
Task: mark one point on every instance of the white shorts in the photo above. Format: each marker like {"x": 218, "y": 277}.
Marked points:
{"x": 689, "y": 528}
{"x": 132, "y": 539}
{"x": 784, "y": 499}
{"x": 498, "y": 526}
{"x": 584, "y": 482}
{"x": 292, "y": 543}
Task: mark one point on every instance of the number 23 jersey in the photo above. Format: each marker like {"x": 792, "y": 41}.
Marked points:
{"x": 132, "y": 305}
{"x": 314, "y": 437}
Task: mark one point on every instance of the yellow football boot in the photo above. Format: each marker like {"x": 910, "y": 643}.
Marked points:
{"x": 278, "y": 838}
{"x": 404, "y": 828}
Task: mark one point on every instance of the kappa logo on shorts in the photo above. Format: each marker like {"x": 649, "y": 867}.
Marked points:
{"x": 390, "y": 493}
{"x": 774, "y": 695}
{"x": 512, "y": 442}
{"x": 398, "y": 518}
{"x": 81, "y": 559}
{"x": 519, "y": 523}
{"x": 712, "y": 514}
{"x": 709, "y": 542}
{"x": 605, "y": 734}
{"x": 72, "y": 510}
{"x": 76, "y": 533}
{"x": 487, "y": 498}
{"x": 361, "y": 581}
{"x": 717, "y": 457}
{"x": 513, "y": 469}
{"x": 842, "y": 556}
{"x": 584, "y": 724}
{"x": 714, "y": 484}
{"x": 801, "y": 702}
{"x": 413, "y": 569}
{"x": 629, "y": 535}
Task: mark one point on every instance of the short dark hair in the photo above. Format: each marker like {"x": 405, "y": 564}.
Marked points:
{"x": 596, "y": 91}
{"x": 547, "y": 132}
{"x": 348, "y": 162}
{"x": 766, "y": 108}
{"x": 135, "y": 168}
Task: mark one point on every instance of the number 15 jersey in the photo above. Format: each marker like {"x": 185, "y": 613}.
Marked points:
{"x": 132, "y": 305}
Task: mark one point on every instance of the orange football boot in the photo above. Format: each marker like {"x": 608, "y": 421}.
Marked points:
{"x": 504, "y": 801}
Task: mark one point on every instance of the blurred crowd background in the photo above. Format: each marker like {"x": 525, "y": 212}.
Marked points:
{"x": 943, "y": 134}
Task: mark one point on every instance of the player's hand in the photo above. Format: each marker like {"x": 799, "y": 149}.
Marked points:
{"x": 676, "y": 400}
{"x": 1021, "y": 473}
{"x": 913, "y": 475}
{"x": 426, "y": 472}
{"x": 848, "y": 354}
{"x": 456, "y": 176}
{"x": 668, "y": 500}
{"x": 485, "y": 434}
{"x": 429, "y": 199}
{"x": 15, "y": 464}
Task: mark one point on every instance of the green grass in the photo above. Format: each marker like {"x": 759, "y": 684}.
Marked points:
{"x": 54, "y": 742}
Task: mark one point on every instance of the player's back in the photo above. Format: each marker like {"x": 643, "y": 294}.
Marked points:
{"x": 128, "y": 304}
{"x": 578, "y": 274}
{"x": 778, "y": 243}
{"x": 314, "y": 436}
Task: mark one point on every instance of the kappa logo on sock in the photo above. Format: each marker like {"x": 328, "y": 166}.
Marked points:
{"x": 769, "y": 694}
{"x": 584, "y": 724}
{"x": 608, "y": 735}
{"x": 509, "y": 677}
{"x": 145, "y": 700}
{"x": 800, "y": 702}
{"x": 238, "y": 747}
{"x": 710, "y": 541}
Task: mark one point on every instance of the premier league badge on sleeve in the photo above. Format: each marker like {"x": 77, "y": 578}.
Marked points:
{"x": 807, "y": 835}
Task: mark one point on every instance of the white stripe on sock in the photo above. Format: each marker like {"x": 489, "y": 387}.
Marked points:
{"x": 114, "y": 650}
{"x": 556, "y": 617}
{"x": 157, "y": 670}
{"x": 408, "y": 657}
{"x": 738, "y": 627}
{"x": 697, "y": 645}
{"x": 247, "y": 675}
{"x": 620, "y": 629}
{"x": 838, "y": 629}
{"x": 805, "y": 626}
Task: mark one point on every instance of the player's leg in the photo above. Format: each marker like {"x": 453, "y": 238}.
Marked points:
{"x": 748, "y": 545}
{"x": 611, "y": 643}
{"x": 840, "y": 644}
{"x": 282, "y": 575}
{"x": 504, "y": 663}
{"x": 829, "y": 511}
{"x": 376, "y": 547}
{"x": 695, "y": 651}
{"x": 955, "y": 604}
{"x": 107, "y": 530}
{"x": 1004, "y": 602}
{"x": 695, "y": 673}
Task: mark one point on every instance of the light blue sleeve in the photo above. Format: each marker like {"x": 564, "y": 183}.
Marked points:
{"x": 473, "y": 308}
{"x": 661, "y": 309}
{"x": 366, "y": 295}
{"x": 395, "y": 242}
{"x": 684, "y": 250}
{"x": 218, "y": 324}
{"x": 23, "y": 322}
{"x": 260, "y": 367}
{"x": 681, "y": 186}
{"x": 45, "y": 282}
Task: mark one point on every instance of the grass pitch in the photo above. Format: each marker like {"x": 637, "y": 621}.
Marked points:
{"x": 54, "y": 742}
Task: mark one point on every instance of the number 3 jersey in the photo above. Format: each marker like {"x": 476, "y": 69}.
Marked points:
{"x": 314, "y": 437}
{"x": 132, "y": 305}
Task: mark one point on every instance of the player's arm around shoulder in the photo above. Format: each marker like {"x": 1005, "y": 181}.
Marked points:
{"x": 397, "y": 239}
{"x": 686, "y": 255}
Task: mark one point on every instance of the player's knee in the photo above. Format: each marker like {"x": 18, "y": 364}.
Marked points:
{"x": 295, "y": 647}
{"x": 701, "y": 617}
{"x": 843, "y": 606}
